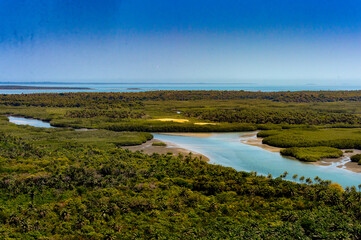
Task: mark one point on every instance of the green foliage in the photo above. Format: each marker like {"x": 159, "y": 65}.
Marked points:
{"x": 87, "y": 192}
{"x": 312, "y": 154}
{"x": 263, "y": 116}
{"x": 158, "y": 126}
{"x": 356, "y": 158}
{"x": 313, "y": 137}
{"x": 159, "y": 144}
{"x": 232, "y": 110}
{"x": 66, "y": 184}
{"x": 14, "y": 147}
{"x": 55, "y": 137}
{"x": 115, "y": 114}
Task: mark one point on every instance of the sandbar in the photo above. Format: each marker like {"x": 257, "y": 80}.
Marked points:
{"x": 253, "y": 140}
{"x": 148, "y": 148}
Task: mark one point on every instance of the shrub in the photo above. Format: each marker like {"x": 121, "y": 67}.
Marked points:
{"x": 159, "y": 144}
{"x": 356, "y": 158}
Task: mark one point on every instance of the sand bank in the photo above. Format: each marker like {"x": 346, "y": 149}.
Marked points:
{"x": 171, "y": 120}
{"x": 182, "y": 121}
{"x": 252, "y": 139}
{"x": 148, "y": 148}
{"x": 342, "y": 162}
{"x": 204, "y": 123}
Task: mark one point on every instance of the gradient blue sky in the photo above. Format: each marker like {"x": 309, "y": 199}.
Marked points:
{"x": 259, "y": 41}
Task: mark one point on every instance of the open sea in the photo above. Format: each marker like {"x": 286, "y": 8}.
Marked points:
{"x": 137, "y": 87}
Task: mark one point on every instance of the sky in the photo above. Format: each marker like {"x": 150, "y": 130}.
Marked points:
{"x": 245, "y": 41}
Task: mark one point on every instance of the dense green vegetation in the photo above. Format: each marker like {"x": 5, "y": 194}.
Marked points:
{"x": 67, "y": 184}
{"x": 162, "y": 144}
{"x": 311, "y": 144}
{"x": 313, "y": 137}
{"x": 79, "y": 190}
{"x": 263, "y": 116}
{"x": 64, "y": 137}
{"x": 312, "y": 154}
{"x": 356, "y": 158}
{"x": 233, "y": 111}
{"x": 83, "y": 99}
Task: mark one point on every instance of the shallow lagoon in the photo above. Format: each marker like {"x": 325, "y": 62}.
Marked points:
{"x": 226, "y": 149}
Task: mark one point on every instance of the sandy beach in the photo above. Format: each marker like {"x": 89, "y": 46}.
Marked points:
{"x": 148, "y": 148}
{"x": 252, "y": 139}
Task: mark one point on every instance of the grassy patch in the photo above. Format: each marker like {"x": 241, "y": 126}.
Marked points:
{"x": 313, "y": 137}
{"x": 312, "y": 154}
{"x": 159, "y": 144}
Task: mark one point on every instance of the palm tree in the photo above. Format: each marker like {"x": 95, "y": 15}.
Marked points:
{"x": 302, "y": 178}
{"x": 295, "y": 177}
{"x": 317, "y": 179}
{"x": 270, "y": 177}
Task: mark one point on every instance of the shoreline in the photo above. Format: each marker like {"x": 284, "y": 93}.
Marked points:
{"x": 148, "y": 148}
{"x": 253, "y": 140}
{"x": 343, "y": 162}
{"x": 190, "y": 134}
{"x": 19, "y": 87}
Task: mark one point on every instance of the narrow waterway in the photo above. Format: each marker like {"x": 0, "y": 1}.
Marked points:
{"x": 227, "y": 149}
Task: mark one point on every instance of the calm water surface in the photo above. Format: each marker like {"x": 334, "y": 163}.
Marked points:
{"x": 29, "y": 121}
{"x": 139, "y": 87}
{"x": 226, "y": 149}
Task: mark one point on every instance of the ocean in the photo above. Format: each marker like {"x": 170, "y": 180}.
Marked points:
{"x": 137, "y": 87}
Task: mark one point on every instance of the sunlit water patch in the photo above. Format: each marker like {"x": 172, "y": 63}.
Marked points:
{"x": 29, "y": 121}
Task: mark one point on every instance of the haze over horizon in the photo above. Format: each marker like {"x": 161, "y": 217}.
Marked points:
{"x": 258, "y": 42}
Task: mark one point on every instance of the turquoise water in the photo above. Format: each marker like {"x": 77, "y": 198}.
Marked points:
{"x": 226, "y": 149}
{"x": 137, "y": 87}
{"x": 29, "y": 121}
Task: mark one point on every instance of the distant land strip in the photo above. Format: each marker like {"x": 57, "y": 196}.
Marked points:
{"x": 17, "y": 87}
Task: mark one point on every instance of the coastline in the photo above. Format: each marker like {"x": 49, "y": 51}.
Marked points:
{"x": 148, "y": 148}
{"x": 341, "y": 162}
{"x": 19, "y": 87}
{"x": 253, "y": 140}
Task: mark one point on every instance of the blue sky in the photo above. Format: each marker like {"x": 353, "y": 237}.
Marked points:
{"x": 260, "y": 41}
